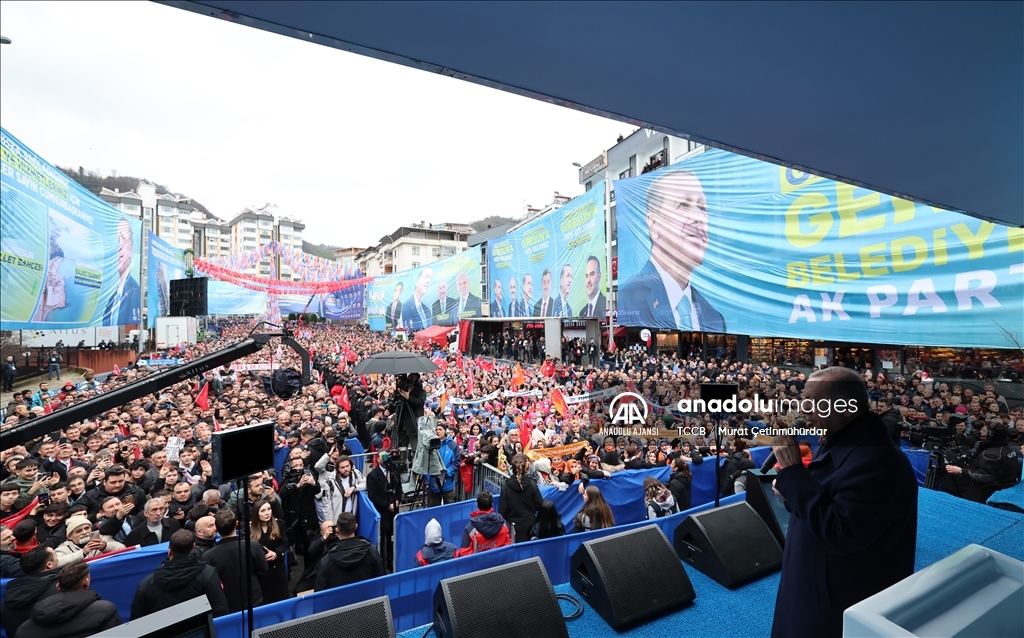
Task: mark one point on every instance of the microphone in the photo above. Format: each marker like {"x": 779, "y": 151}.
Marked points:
{"x": 769, "y": 462}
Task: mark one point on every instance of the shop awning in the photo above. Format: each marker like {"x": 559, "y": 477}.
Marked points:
{"x": 620, "y": 331}
{"x": 435, "y": 334}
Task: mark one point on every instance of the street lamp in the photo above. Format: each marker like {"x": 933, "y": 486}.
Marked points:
{"x": 4, "y": 39}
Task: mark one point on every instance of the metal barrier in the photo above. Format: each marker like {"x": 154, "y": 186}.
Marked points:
{"x": 487, "y": 477}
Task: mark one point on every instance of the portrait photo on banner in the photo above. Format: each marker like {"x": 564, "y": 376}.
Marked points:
{"x": 725, "y": 243}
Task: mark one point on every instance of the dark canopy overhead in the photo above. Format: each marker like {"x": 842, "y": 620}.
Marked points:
{"x": 923, "y": 100}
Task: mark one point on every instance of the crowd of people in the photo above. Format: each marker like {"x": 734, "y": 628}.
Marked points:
{"x": 141, "y": 474}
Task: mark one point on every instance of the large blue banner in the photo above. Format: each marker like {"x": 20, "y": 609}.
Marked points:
{"x": 224, "y": 298}
{"x": 553, "y": 266}
{"x": 440, "y": 293}
{"x": 67, "y": 258}
{"x": 165, "y": 263}
{"x": 725, "y": 243}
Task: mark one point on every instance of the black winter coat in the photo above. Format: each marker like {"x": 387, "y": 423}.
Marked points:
{"x": 176, "y": 581}
{"x": 225, "y": 559}
{"x": 853, "y": 529}
{"x": 349, "y": 560}
{"x": 519, "y": 505}
{"x": 94, "y": 498}
{"x": 71, "y": 614}
{"x": 681, "y": 486}
{"x": 141, "y": 535}
{"x": 21, "y": 594}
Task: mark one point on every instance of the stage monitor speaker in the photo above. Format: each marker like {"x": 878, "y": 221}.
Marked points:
{"x": 511, "y": 601}
{"x": 240, "y": 452}
{"x": 631, "y": 577}
{"x": 370, "y": 619}
{"x": 767, "y": 503}
{"x": 188, "y": 297}
{"x": 730, "y": 544}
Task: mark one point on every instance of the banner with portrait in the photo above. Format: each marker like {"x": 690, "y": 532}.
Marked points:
{"x": 67, "y": 258}
{"x": 438, "y": 294}
{"x": 164, "y": 263}
{"x": 554, "y": 266}
{"x": 725, "y": 243}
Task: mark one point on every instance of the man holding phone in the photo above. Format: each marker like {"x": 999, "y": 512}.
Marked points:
{"x": 115, "y": 483}
{"x": 83, "y": 542}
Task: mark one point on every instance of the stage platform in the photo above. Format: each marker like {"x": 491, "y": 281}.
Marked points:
{"x": 945, "y": 525}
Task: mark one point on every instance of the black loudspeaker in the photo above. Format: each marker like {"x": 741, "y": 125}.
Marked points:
{"x": 511, "y": 601}
{"x": 188, "y": 297}
{"x": 767, "y": 504}
{"x": 631, "y": 577}
{"x": 370, "y": 619}
{"x": 730, "y": 544}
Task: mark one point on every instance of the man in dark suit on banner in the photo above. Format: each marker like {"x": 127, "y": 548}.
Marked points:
{"x": 122, "y": 308}
{"x": 853, "y": 510}
{"x": 467, "y": 305}
{"x": 415, "y": 312}
{"x": 546, "y": 306}
{"x": 661, "y": 295}
{"x": 393, "y": 314}
{"x": 595, "y": 300}
{"x": 497, "y": 310}
{"x": 441, "y": 309}
{"x": 515, "y": 306}
{"x": 562, "y": 307}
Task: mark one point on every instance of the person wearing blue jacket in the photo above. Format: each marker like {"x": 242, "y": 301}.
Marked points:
{"x": 442, "y": 485}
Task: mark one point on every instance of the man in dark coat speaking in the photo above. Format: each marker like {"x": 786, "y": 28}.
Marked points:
{"x": 853, "y": 525}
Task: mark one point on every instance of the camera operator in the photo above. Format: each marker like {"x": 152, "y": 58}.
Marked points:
{"x": 410, "y": 397}
{"x": 298, "y": 500}
{"x": 319, "y": 546}
{"x": 995, "y": 466}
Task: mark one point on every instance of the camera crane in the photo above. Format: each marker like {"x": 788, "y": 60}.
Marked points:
{"x": 90, "y": 409}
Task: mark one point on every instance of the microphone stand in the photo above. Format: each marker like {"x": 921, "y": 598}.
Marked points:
{"x": 718, "y": 458}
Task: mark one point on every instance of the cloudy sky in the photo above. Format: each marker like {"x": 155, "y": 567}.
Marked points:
{"x": 233, "y": 116}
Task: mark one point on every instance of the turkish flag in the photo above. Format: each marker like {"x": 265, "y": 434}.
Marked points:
{"x": 469, "y": 386}
{"x": 548, "y": 368}
{"x": 343, "y": 401}
{"x": 459, "y": 363}
{"x": 517, "y": 377}
{"x": 203, "y": 398}
{"x": 486, "y": 366}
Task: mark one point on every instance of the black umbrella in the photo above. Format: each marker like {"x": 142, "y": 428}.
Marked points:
{"x": 395, "y": 362}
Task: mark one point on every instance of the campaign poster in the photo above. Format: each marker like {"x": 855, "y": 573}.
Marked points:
{"x": 438, "y": 294}
{"x": 67, "y": 258}
{"x": 553, "y": 266}
{"x": 726, "y": 243}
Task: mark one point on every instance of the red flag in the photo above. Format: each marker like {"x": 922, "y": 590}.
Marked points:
{"x": 351, "y": 356}
{"x": 48, "y": 408}
{"x": 486, "y": 366}
{"x": 16, "y": 517}
{"x": 216, "y": 424}
{"x": 117, "y": 371}
{"x": 137, "y": 451}
{"x": 123, "y": 430}
{"x": 558, "y": 401}
{"x": 548, "y": 368}
{"x": 459, "y": 363}
{"x": 469, "y": 386}
{"x": 443, "y": 403}
{"x": 590, "y": 382}
{"x": 203, "y": 398}
{"x": 362, "y": 380}
{"x": 341, "y": 365}
{"x": 343, "y": 401}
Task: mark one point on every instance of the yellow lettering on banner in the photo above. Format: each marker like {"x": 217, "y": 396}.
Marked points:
{"x": 796, "y": 274}
{"x": 841, "y": 271}
{"x": 899, "y": 262}
{"x": 975, "y": 242}
{"x": 849, "y": 206}
{"x": 868, "y": 260}
{"x": 820, "y": 223}
{"x": 820, "y": 271}
{"x": 1015, "y": 239}
{"x": 939, "y": 247}
{"x": 904, "y": 210}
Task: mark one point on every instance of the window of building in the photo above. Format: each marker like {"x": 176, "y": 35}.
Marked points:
{"x": 266, "y": 224}
{"x": 624, "y": 175}
{"x": 415, "y": 250}
{"x": 447, "y": 251}
{"x": 435, "y": 251}
{"x": 166, "y": 230}
{"x": 632, "y": 165}
{"x": 415, "y": 264}
{"x": 590, "y": 185}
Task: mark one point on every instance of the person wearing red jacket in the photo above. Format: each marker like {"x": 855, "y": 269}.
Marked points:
{"x": 485, "y": 530}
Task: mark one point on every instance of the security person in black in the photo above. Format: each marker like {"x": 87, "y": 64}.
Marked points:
{"x": 995, "y": 466}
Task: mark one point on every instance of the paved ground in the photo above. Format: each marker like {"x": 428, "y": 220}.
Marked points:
{"x": 74, "y": 375}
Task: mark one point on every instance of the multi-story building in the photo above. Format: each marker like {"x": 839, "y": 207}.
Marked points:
{"x": 413, "y": 246}
{"x": 254, "y": 228}
{"x": 347, "y": 255}
{"x": 642, "y": 152}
